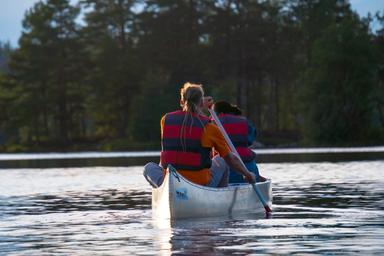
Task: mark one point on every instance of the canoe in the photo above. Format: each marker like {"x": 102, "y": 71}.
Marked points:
{"x": 178, "y": 198}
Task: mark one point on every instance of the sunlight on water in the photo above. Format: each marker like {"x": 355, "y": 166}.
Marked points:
{"x": 37, "y": 156}
{"x": 319, "y": 208}
{"x": 90, "y": 155}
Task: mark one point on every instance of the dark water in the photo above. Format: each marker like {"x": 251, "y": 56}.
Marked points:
{"x": 319, "y": 208}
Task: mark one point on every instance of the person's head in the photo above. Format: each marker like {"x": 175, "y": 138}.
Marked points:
{"x": 224, "y": 107}
{"x": 191, "y": 97}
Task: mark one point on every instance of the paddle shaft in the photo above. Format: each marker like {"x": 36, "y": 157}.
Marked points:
{"x": 234, "y": 151}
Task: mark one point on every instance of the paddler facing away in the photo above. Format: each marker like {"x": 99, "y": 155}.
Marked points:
{"x": 187, "y": 138}
{"x": 242, "y": 134}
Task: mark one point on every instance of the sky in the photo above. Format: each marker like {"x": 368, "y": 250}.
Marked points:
{"x": 12, "y": 13}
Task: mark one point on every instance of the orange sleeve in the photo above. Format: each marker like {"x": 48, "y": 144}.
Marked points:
{"x": 212, "y": 137}
{"x": 162, "y": 126}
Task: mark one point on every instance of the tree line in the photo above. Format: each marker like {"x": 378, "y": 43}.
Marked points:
{"x": 101, "y": 73}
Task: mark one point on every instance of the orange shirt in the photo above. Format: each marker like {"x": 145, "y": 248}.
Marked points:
{"x": 211, "y": 138}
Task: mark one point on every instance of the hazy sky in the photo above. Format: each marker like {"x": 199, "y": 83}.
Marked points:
{"x": 12, "y": 12}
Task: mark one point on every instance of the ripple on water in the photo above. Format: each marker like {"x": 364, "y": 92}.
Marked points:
{"x": 319, "y": 208}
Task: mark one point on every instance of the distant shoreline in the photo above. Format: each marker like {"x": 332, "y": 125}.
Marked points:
{"x": 134, "y": 154}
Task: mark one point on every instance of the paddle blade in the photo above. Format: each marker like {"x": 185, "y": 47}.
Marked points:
{"x": 262, "y": 200}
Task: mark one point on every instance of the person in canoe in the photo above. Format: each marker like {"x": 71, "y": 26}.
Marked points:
{"x": 187, "y": 138}
{"x": 242, "y": 134}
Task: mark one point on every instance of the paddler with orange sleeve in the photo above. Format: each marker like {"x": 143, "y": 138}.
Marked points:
{"x": 187, "y": 138}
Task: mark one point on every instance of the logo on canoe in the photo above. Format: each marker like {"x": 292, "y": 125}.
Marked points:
{"x": 181, "y": 194}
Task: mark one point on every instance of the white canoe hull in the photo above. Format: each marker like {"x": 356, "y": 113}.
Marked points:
{"x": 178, "y": 198}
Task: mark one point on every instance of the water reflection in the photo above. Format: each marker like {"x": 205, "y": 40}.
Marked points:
{"x": 319, "y": 208}
{"x": 82, "y": 159}
{"x": 74, "y": 201}
{"x": 211, "y": 236}
{"x": 297, "y": 230}
{"x": 362, "y": 195}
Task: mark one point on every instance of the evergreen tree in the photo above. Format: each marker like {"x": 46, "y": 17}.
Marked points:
{"x": 173, "y": 39}
{"x": 173, "y": 48}
{"x": 46, "y": 71}
{"x": 5, "y": 51}
{"x": 337, "y": 97}
{"x": 378, "y": 43}
{"x": 290, "y": 65}
{"x": 115, "y": 70}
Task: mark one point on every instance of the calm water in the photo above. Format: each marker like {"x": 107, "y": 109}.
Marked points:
{"x": 76, "y": 159}
{"x": 319, "y": 208}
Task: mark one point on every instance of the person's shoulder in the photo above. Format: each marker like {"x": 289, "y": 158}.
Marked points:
{"x": 243, "y": 118}
{"x": 211, "y": 128}
{"x": 205, "y": 118}
{"x": 162, "y": 120}
{"x": 176, "y": 112}
{"x": 211, "y": 125}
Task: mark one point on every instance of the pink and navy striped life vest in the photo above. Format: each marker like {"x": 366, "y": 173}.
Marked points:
{"x": 181, "y": 142}
{"x": 237, "y": 129}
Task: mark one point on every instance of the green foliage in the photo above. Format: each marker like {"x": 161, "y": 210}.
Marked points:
{"x": 149, "y": 106}
{"x": 338, "y": 92}
{"x": 5, "y": 51}
{"x": 378, "y": 101}
{"x": 115, "y": 70}
{"x": 298, "y": 69}
{"x": 45, "y": 73}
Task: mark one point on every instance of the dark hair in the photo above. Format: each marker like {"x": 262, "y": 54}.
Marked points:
{"x": 224, "y": 107}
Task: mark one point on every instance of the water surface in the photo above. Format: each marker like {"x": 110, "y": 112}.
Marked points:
{"x": 319, "y": 208}
{"x": 130, "y": 158}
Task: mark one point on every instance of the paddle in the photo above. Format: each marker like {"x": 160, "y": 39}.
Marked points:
{"x": 234, "y": 151}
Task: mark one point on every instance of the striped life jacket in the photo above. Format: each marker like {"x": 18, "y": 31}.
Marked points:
{"x": 181, "y": 145}
{"x": 237, "y": 129}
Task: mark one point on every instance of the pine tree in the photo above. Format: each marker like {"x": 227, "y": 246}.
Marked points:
{"x": 338, "y": 92}
{"x": 46, "y": 74}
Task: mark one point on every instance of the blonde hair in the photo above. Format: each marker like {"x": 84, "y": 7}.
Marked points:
{"x": 191, "y": 96}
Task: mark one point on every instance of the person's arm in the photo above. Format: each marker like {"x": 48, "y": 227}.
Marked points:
{"x": 212, "y": 137}
{"x": 234, "y": 162}
{"x": 161, "y": 133}
{"x": 162, "y": 126}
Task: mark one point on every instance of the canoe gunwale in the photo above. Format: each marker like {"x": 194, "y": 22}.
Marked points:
{"x": 230, "y": 187}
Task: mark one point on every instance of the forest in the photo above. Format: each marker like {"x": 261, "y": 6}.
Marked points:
{"x": 99, "y": 74}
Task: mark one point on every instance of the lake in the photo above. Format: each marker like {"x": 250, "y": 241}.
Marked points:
{"x": 318, "y": 208}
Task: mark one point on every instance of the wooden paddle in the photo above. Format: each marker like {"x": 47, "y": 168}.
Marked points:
{"x": 234, "y": 151}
